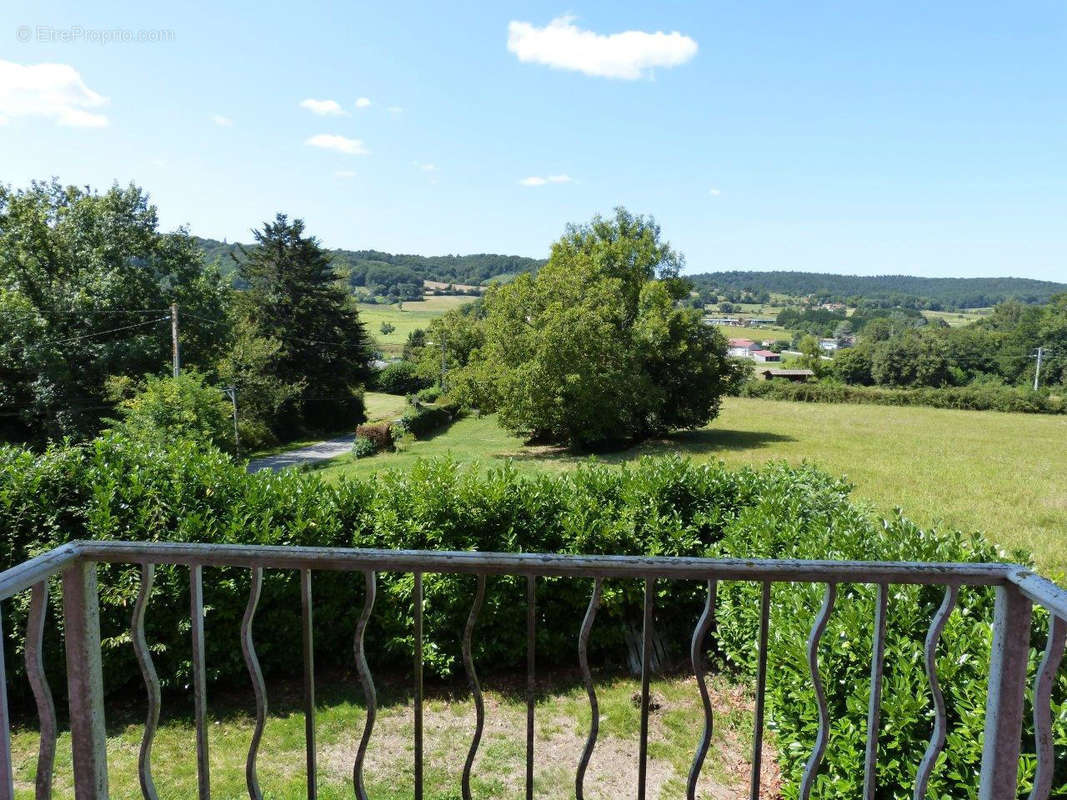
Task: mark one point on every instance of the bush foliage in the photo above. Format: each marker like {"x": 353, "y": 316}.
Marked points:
{"x": 114, "y": 488}
{"x": 974, "y": 398}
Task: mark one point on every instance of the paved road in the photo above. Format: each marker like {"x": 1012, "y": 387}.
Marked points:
{"x": 319, "y": 451}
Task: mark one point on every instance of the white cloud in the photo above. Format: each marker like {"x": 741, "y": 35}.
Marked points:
{"x": 341, "y": 144}
{"x": 424, "y": 167}
{"x": 714, "y": 192}
{"x": 394, "y": 109}
{"x": 629, "y": 55}
{"x": 324, "y": 108}
{"x": 54, "y": 91}
{"x": 363, "y": 102}
{"x": 345, "y": 173}
{"x": 221, "y": 121}
{"x": 537, "y": 180}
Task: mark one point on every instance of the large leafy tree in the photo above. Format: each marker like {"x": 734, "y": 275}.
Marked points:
{"x": 295, "y": 299}
{"x": 85, "y": 281}
{"x": 596, "y": 349}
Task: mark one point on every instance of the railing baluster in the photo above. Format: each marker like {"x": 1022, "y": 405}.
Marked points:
{"x": 696, "y": 657}
{"x": 196, "y": 619}
{"x": 646, "y": 669}
{"x": 874, "y": 707}
{"x": 367, "y": 680}
{"x": 476, "y": 689}
{"x": 42, "y": 693}
{"x": 590, "y": 689}
{"x": 85, "y": 681}
{"x": 1046, "y": 677}
{"x": 151, "y": 682}
{"x": 417, "y": 602}
{"x": 309, "y": 682}
{"x": 531, "y": 694}
{"x": 937, "y": 739}
{"x": 814, "y": 638}
{"x": 7, "y": 774}
{"x": 761, "y": 695}
{"x": 256, "y": 675}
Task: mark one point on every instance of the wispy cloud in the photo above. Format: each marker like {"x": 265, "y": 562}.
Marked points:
{"x": 714, "y": 192}
{"x": 537, "y": 180}
{"x": 324, "y": 108}
{"x": 345, "y": 173}
{"x": 363, "y": 102}
{"x": 338, "y": 143}
{"x": 53, "y": 91}
{"x": 394, "y": 109}
{"x": 424, "y": 167}
{"x": 221, "y": 121}
{"x": 628, "y": 55}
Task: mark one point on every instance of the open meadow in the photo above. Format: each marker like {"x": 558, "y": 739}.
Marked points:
{"x": 998, "y": 473}
{"x": 409, "y": 316}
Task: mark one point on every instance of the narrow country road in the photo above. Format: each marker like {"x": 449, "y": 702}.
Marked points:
{"x": 320, "y": 451}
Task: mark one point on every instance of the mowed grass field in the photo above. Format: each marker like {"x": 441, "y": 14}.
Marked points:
{"x": 412, "y": 315}
{"x": 1001, "y": 474}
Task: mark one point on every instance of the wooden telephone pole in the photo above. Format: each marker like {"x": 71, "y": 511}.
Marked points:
{"x": 175, "y": 352}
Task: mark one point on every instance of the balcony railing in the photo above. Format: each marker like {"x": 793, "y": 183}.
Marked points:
{"x": 1017, "y": 591}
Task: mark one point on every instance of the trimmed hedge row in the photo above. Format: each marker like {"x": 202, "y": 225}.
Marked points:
{"x": 118, "y": 489}
{"x": 975, "y": 398}
{"x": 423, "y": 420}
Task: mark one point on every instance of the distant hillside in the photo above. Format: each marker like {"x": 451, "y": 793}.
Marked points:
{"x": 373, "y": 267}
{"x": 905, "y": 290}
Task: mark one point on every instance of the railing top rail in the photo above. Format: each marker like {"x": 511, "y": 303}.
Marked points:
{"x": 1038, "y": 589}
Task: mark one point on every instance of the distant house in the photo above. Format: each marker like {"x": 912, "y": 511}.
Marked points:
{"x": 759, "y": 322}
{"x": 829, "y": 345}
{"x": 722, "y": 321}
{"x": 794, "y": 375}
{"x": 741, "y": 348}
{"x": 764, "y": 356}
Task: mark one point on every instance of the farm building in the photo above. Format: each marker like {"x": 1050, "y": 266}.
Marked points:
{"x": 795, "y": 375}
{"x": 764, "y": 356}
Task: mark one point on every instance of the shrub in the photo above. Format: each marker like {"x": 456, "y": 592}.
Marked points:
{"x": 378, "y": 433}
{"x": 161, "y": 409}
{"x": 974, "y": 398}
{"x": 400, "y": 377}
{"x": 363, "y": 447}
{"x": 423, "y": 421}
{"x": 428, "y": 395}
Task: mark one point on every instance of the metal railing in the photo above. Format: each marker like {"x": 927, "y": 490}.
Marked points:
{"x": 1017, "y": 590}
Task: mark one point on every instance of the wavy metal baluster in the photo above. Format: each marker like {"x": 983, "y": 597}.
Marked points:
{"x": 368, "y": 684}
{"x": 256, "y": 674}
{"x": 761, "y": 695}
{"x": 696, "y": 655}
{"x": 151, "y": 682}
{"x": 42, "y": 694}
{"x": 476, "y": 689}
{"x": 1046, "y": 676}
{"x": 594, "y": 707}
{"x": 814, "y": 637}
{"x": 937, "y": 740}
{"x": 874, "y": 703}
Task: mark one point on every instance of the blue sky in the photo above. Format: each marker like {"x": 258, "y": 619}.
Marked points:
{"x": 861, "y": 137}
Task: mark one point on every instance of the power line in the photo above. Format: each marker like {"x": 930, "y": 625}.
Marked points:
{"x": 49, "y": 313}
{"x": 103, "y": 333}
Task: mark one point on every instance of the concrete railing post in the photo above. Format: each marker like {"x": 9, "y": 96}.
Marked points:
{"x": 1004, "y": 698}
{"x": 85, "y": 681}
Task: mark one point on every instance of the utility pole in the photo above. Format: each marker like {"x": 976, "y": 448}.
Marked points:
{"x": 175, "y": 353}
{"x": 1039, "y": 354}
{"x": 231, "y": 392}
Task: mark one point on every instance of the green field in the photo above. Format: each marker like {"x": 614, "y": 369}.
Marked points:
{"x": 1001, "y": 474}
{"x": 412, "y": 315}
{"x": 562, "y": 723}
{"x": 957, "y": 319}
{"x": 768, "y": 332}
{"x": 381, "y": 406}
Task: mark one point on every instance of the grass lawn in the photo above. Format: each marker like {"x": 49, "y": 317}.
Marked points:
{"x": 562, "y": 723}
{"x": 768, "y": 332}
{"x": 1002, "y": 474}
{"x": 956, "y": 319}
{"x": 413, "y": 315}
{"x": 380, "y": 405}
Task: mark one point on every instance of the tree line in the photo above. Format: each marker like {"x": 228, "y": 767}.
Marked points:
{"x": 87, "y": 281}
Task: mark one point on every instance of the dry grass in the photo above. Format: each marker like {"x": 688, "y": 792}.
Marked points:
{"x": 562, "y": 720}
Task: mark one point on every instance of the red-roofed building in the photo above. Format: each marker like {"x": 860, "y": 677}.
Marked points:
{"x": 766, "y": 355}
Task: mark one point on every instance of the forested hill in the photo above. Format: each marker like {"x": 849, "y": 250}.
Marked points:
{"x": 889, "y": 289}
{"x": 470, "y": 269}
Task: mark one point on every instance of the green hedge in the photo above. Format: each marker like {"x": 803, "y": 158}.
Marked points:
{"x": 975, "y": 398}
{"x": 425, "y": 420}
{"x": 117, "y": 489}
